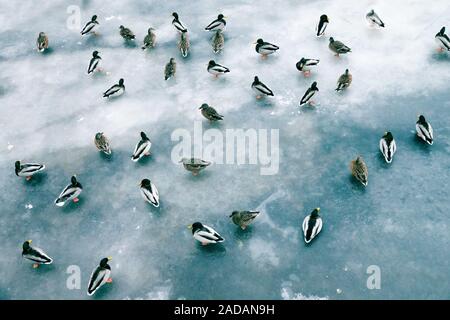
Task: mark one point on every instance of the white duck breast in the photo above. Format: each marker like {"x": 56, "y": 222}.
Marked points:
{"x": 311, "y": 228}
{"x": 115, "y": 91}
{"x": 38, "y": 255}
{"x": 69, "y": 193}
{"x": 443, "y": 41}
{"x": 28, "y": 169}
{"x": 321, "y": 27}
{"x": 388, "y": 149}
{"x": 152, "y": 195}
{"x": 88, "y": 27}
{"x": 216, "y": 25}
{"x": 141, "y": 149}
{"x": 267, "y": 48}
{"x": 424, "y": 133}
{"x": 374, "y": 19}
{"x": 179, "y": 25}
{"x": 93, "y": 64}
{"x": 262, "y": 88}
{"x": 308, "y": 95}
{"x": 218, "y": 69}
{"x": 98, "y": 278}
{"x": 208, "y": 235}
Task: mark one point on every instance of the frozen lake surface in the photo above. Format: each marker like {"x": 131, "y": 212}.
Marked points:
{"x": 50, "y": 110}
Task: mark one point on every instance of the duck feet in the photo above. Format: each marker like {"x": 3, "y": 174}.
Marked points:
{"x": 194, "y": 173}
{"x": 264, "y": 56}
{"x": 306, "y": 74}
{"x": 76, "y": 200}
{"x": 28, "y": 178}
{"x": 35, "y": 265}
{"x": 204, "y": 243}
{"x": 109, "y": 280}
{"x": 147, "y": 154}
{"x": 258, "y": 97}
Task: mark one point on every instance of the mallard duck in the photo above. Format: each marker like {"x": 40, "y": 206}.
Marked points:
{"x": 305, "y": 64}
{"x": 42, "y": 42}
{"x": 100, "y": 276}
{"x": 243, "y": 218}
{"x": 27, "y": 170}
{"x": 176, "y": 22}
{"x": 309, "y": 94}
{"x": 265, "y": 48}
{"x": 150, "y": 39}
{"x": 424, "y": 130}
{"x": 149, "y": 192}
{"x": 218, "y": 41}
{"x": 312, "y": 225}
{"x": 102, "y": 143}
{"x": 126, "y": 33}
{"x": 94, "y": 62}
{"x": 359, "y": 170}
{"x": 205, "y": 234}
{"x": 388, "y": 146}
{"x": 37, "y": 255}
{"x": 374, "y": 19}
{"x": 216, "y": 69}
{"x": 344, "y": 81}
{"x": 218, "y": 24}
{"x": 142, "y": 148}
{"x": 116, "y": 90}
{"x": 70, "y": 192}
{"x": 322, "y": 25}
{"x": 184, "y": 44}
{"x": 443, "y": 40}
{"x": 89, "y": 27}
{"x": 210, "y": 113}
{"x": 170, "y": 69}
{"x": 260, "y": 88}
{"x": 338, "y": 47}
{"x": 194, "y": 165}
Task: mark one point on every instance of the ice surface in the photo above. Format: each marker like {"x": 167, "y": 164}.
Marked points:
{"x": 51, "y": 109}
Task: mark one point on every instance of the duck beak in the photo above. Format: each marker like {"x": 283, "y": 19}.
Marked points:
{"x": 29, "y": 241}
{"x": 189, "y": 226}
{"x": 109, "y": 258}
{"x": 318, "y": 209}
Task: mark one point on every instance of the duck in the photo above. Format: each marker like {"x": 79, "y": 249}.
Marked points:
{"x": 95, "y": 60}
{"x": 184, "y": 44}
{"x": 42, "y": 42}
{"x": 359, "y": 170}
{"x": 205, "y": 234}
{"x": 260, "y": 88}
{"x": 176, "y": 22}
{"x": 116, "y": 90}
{"x": 218, "y": 41}
{"x": 218, "y": 24}
{"x": 149, "y": 192}
{"x": 27, "y": 170}
{"x": 100, "y": 276}
{"x": 443, "y": 40}
{"x": 304, "y": 65}
{"x": 344, "y": 81}
{"x": 374, "y": 19}
{"x": 150, "y": 39}
{"x": 70, "y": 192}
{"x": 210, "y": 113}
{"x": 338, "y": 47}
{"x": 309, "y": 94}
{"x": 322, "y": 25}
{"x": 142, "y": 148}
{"x": 37, "y": 255}
{"x": 194, "y": 165}
{"x": 388, "y": 146}
{"x": 126, "y": 33}
{"x": 90, "y": 26}
{"x": 216, "y": 69}
{"x": 243, "y": 218}
{"x": 102, "y": 143}
{"x": 312, "y": 225}
{"x": 424, "y": 130}
{"x": 170, "y": 69}
{"x": 265, "y": 48}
